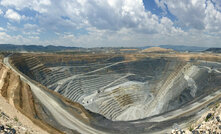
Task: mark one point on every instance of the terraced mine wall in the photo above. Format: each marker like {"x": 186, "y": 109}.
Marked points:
{"x": 121, "y": 88}
{"x": 19, "y": 95}
{"x": 162, "y": 84}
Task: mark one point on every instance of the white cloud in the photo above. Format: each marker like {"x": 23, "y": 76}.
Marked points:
{"x": 217, "y": 4}
{"x": 12, "y": 15}
{"x": 114, "y": 15}
{"x": 198, "y": 14}
{"x": 118, "y": 22}
{"x": 1, "y": 12}
{"x": 38, "y": 5}
{"x": 31, "y": 29}
{"x": 29, "y": 26}
{"x": 213, "y": 18}
{"x": 17, "y": 3}
{"x": 126, "y": 37}
{"x": 102, "y": 14}
{"x": 27, "y": 29}
{"x": 190, "y": 13}
{"x": 11, "y": 27}
{"x": 18, "y": 39}
{"x": 2, "y": 29}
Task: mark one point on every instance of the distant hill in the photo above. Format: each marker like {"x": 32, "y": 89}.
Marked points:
{"x": 184, "y": 48}
{"x": 157, "y": 49}
{"x": 180, "y": 48}
{"x": 34, "y": 48}
{"x": 214, "y": 50}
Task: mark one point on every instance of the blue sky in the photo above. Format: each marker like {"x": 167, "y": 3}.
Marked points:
{"x": 93, "y": 23}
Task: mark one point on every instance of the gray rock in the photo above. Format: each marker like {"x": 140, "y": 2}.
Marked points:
{"x": 195, "y": 132}
{"x": 2, "y": 127}
{"x": 218, "y": 119}
{"x": 209, "y": 115}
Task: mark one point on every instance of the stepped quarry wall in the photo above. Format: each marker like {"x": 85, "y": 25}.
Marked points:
{"x": 123, "y": 85}
{"x": 121, "y": 93}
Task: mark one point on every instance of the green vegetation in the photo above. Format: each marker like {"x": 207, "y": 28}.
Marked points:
{"x": 16, "y": 119}
{"x": 217, "y": 105}
{"x": 190, "y": 128}
{"x": 27, "y": 132}
{"x": 9, "y": 125}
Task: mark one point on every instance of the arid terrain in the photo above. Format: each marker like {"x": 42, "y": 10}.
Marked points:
{"x": 110, "y": 66}
{"x": 140, "y": 92}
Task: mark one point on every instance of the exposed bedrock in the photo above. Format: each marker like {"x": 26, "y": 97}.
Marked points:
{"x": 125, "y": 94}
{"x": 19, "y": 95}
{"x": 122, "y": 89}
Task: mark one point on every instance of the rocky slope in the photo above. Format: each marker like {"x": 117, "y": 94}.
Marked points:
{"x": 209, "y": 122}
{"x": 19, "y": 96}
{"x": 185, "y": 80}
{"x": 121, "y": 87}
{"x": 11, "y": 120}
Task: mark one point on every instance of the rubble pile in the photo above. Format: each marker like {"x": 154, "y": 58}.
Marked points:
{"x": 10, "y": 125}
{"x": 209, "y": 123}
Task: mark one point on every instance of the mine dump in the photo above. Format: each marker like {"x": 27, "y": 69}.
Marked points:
{"x": 123, "y": 93}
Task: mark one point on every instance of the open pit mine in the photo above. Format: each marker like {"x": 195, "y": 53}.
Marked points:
{"x": 111, "y": 93}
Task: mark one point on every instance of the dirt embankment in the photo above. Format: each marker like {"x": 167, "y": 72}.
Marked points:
{"x": 157, "y": 50}
{"x": 19, "y": 97}
{"x": 1, "y": 57}
{"x": 182, "y": 56}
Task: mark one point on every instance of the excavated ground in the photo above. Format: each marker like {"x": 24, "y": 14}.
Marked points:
{"x": 18, "y": 94}
{"x": 148, "y": 92}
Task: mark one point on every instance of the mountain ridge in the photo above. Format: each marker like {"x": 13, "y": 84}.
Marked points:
{"x": 35, "y": 48}
{"x": 181, "y": 48}
{"x": 214, "y": 50}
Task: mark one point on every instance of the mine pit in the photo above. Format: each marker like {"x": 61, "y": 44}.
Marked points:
{"x": 121, "y": 88}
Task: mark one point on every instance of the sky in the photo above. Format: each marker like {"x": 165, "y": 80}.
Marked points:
{"x": 111, "y": 23}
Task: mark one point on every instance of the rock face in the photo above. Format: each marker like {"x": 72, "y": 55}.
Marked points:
{"x": 208, "y": 123}
{"x": 15, "y": 91}
{"x": 19, "y": 95}
{"x": 12, "y": 125}
{"x": 122, "y": 93}
{"x": 122, "y": 88}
